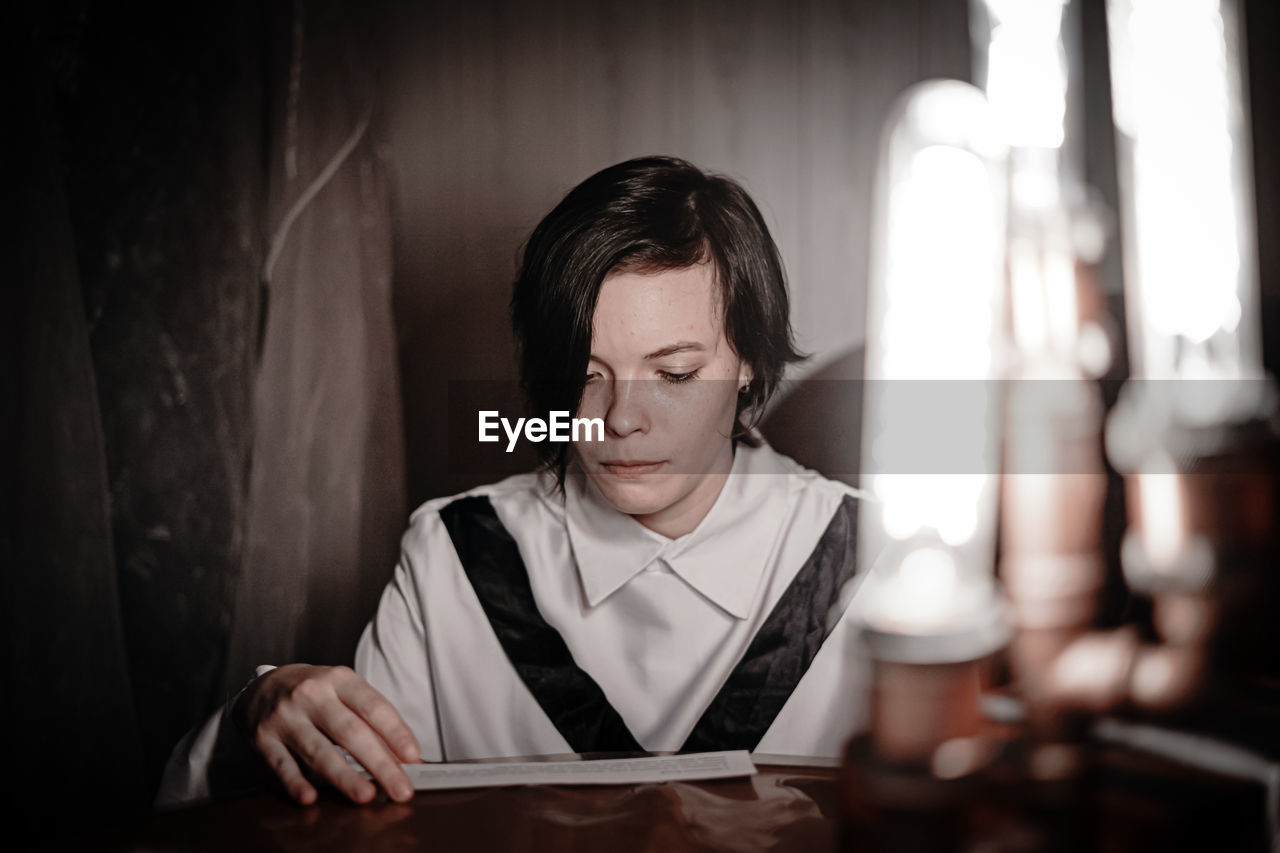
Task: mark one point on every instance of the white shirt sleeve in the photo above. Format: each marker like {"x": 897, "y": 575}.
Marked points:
{"x": 186, "y": 775}
{"x": 393, "y": 655}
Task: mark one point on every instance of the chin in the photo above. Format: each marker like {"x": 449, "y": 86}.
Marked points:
{"x": 641, "y": 496}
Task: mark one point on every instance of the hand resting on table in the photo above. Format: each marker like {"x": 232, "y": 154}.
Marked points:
{"x": 299, "y": 712}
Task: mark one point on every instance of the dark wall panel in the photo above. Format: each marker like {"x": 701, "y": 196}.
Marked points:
{"x": 503, "y": 106}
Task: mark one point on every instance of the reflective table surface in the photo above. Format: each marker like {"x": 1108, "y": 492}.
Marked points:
{"x": 780, "y": 808}
{"x": 1125, "y": 802}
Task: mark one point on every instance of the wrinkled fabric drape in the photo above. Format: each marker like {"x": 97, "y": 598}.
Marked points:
{"x": 326, "y": 494}
{"x": 163, "y": 155}
{"x": 203, "y": 455}
{"x": 66, "y": 687}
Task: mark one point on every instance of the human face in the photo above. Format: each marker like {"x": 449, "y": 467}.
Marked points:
{"x": 665, "y": 380}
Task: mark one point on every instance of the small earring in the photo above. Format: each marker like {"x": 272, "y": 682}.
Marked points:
{"x": 744, "y": 388}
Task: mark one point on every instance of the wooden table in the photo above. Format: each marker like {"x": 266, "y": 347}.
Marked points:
{"x": 780, "y": 809}
{"x": 1128, "y": 802}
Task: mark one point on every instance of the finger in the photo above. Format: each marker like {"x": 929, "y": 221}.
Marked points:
{"x": 362, "y": 698}
{"x": 353, "y": 734}
{"x": 320, "y": 755}
{"x": 286, "y": 769}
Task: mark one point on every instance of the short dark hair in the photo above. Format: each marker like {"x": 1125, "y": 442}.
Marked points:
{"x": 646, "y": 215}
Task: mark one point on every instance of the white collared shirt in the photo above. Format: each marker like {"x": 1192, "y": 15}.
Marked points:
{"x": 657, "y": 623}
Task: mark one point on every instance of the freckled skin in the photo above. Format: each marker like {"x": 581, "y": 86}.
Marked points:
{"x": 686, "y": 426}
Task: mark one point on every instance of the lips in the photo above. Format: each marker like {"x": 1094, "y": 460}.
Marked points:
{"x": 631, "y": 467}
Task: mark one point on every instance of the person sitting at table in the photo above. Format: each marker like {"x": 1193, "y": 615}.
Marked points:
{"x": 675, "y": 586}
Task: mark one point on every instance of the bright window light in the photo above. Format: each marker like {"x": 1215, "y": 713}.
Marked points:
{"x": 1178, "y": 106}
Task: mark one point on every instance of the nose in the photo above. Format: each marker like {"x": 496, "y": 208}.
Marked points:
{"x": 626, "y": 413}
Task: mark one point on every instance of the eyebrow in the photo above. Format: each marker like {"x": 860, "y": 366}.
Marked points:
{"x": 682, "y": 346}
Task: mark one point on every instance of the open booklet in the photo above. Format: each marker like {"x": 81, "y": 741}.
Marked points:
{"x": 578, "y": 771}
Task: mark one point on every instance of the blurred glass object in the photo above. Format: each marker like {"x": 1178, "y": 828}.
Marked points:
{"x": 934, "y": 313}
{"x": 1026, "y": 71}
{"x": 1186, "y": 198}
{"x": 1021, "y": 61}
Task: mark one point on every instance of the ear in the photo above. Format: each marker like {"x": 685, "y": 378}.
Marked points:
{"x": 745, "y": 375}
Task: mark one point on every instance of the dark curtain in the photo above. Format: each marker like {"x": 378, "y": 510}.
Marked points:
{"x": 326, "y": 492}
{"x": 163, "y": 155}
{"x": 205, "y": 468}
{"x": 67, "y": 702}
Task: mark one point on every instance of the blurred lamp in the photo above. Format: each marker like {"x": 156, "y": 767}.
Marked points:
{"x": 933, "y": 344}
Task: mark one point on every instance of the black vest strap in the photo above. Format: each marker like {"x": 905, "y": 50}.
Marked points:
{"x": 571, "y": 698}
{"x": 750, "y": 699}
{"x": 781, "y": 651}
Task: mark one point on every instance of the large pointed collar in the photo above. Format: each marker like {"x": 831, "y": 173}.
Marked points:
{"x": 723, "y": 558}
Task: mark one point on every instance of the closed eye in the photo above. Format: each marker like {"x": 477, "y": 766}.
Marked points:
{"x": 677, "y": 378}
